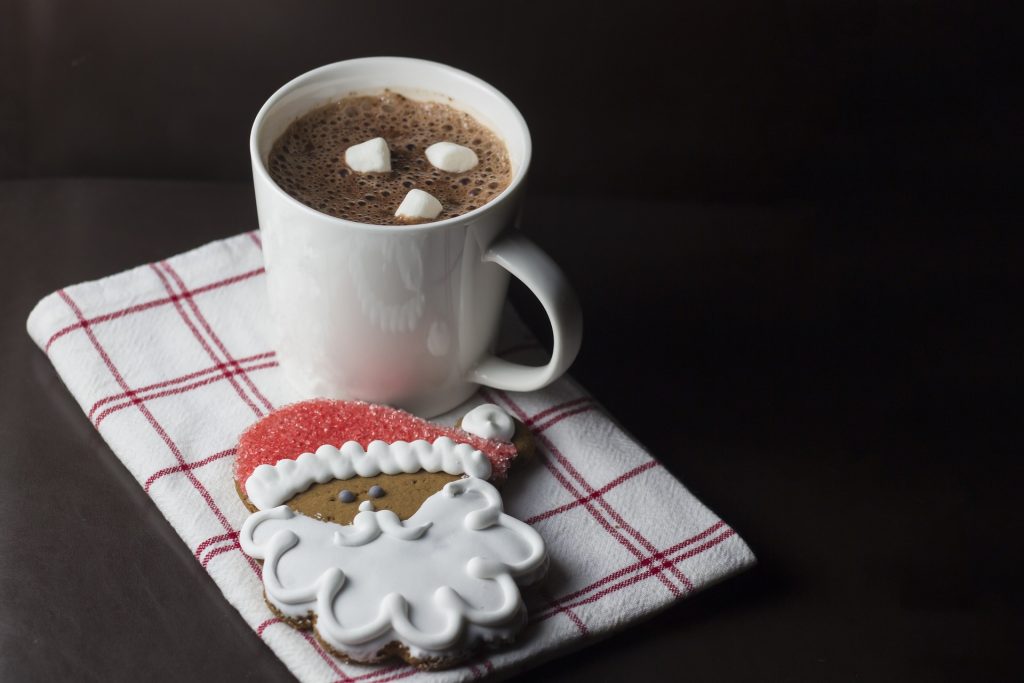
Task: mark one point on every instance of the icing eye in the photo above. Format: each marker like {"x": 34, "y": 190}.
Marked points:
{"x": 346, "y": 496}
{"x": 375, "y": 491}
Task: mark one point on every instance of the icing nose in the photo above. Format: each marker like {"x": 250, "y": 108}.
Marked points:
{"x": 366, "y": 506}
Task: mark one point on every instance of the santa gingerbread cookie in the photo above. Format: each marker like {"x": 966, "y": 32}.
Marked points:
{"x": 384, "y": 532}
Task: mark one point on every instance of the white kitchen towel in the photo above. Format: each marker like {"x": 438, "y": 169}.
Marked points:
{"x": 171, "y": 362}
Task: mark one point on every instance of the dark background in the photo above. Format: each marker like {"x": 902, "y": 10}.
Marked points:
{"x": 794, "y": 232}
{"x": 713, "y": 101}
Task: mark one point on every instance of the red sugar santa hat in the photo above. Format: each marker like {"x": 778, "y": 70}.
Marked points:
{"x": 303, "y": 427}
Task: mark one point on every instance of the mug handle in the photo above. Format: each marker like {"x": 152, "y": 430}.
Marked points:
{"x": 535, "y": 269}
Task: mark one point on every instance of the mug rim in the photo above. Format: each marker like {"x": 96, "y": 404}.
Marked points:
{"x": 260, "y": 167}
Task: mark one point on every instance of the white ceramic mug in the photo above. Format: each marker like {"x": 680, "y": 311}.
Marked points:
{"x": 403, "y": 315}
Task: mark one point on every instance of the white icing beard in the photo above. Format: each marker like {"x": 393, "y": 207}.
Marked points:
{"x": 439, "y": 583}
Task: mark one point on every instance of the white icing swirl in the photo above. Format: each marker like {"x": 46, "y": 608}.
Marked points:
{"x": 489, "y": 421}
{"x": 271, "y": 485}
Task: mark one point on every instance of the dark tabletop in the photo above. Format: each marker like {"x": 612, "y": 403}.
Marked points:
{"x": 833, "y": 380}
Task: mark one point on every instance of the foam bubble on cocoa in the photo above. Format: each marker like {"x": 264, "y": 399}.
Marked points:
{"x": 308, "y": 160}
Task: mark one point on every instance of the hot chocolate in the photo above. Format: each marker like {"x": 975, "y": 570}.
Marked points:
{"x": 308, "y": 159}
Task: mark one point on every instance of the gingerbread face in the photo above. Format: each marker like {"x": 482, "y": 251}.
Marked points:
{"x": 380, "y": 547}
{"x": 339, "y": 501}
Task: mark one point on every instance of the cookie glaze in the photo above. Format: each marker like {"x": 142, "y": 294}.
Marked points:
{"x": 271, "y": 485}
{"x": 489, "y": 421}
{"x": 304, "y": 427}
{"x": 441, "y": 583}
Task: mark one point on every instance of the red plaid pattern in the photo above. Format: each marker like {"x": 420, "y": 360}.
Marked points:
{"x": 172, "y": 360}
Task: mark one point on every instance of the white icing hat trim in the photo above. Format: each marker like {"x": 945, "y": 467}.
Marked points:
{"x": 271, "y": 485}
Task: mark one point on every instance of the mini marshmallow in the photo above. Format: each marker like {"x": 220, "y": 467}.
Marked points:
{"x": 418, "y": 205}
{"x": 372, "y": 156}
{"x": 450, "y": 157}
